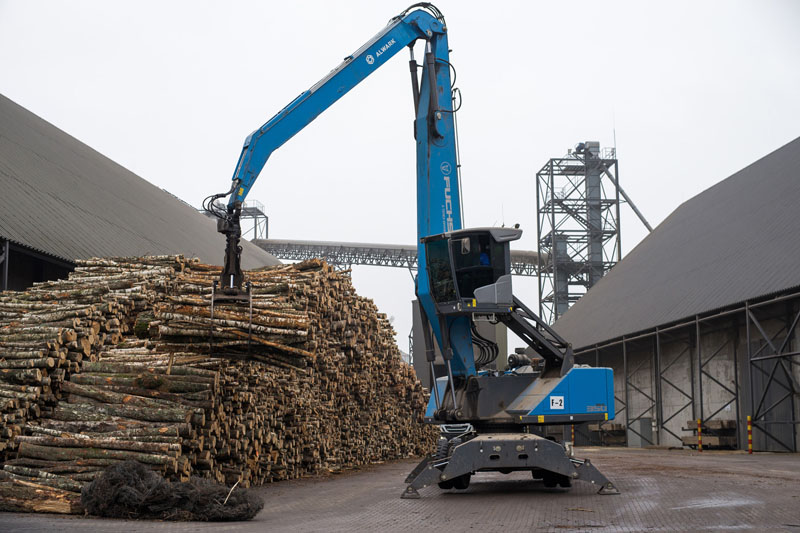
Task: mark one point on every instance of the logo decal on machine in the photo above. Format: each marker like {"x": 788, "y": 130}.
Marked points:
{"x": 384, "y": 47}
{"x": 556, "y": 402}
{"x": 448, "y": 205}
{"x": 371, "y": 59}
{"x": 447, "y": 211}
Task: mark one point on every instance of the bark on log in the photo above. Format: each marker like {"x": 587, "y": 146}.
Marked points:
{"x": 109, "y": 443}
{"x": 55, "y": 453}
{"x": 87, "y": 412}
{"x": 41, "y": 478}
{"x": 21, "y": 496}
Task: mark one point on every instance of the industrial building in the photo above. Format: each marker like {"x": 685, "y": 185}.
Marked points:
{"x": 700, "y": 320}
{"x": 61, "y": 201}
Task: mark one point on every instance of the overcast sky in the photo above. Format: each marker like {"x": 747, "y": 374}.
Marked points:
{"x": 694, "y": 91}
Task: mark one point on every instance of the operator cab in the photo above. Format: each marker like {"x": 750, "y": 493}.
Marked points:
{"x": 470, "y": 269}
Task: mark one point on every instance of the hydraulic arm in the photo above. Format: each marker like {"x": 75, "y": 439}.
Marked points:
{"x": 438, "y": 201}
{"x": 436, "y": 155}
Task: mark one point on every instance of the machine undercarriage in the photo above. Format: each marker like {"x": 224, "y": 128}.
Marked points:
{"x": 503, "y": 452}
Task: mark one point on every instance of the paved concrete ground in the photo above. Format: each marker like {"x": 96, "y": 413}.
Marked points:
{"x": 661, "y": 491}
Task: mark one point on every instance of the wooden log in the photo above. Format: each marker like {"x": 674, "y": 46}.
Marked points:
{"x": 48, "y": 314}
{"x": 107, "y": 367}
{"x": 41, "y": 478}
{"x": 111, "y": 397}
{"x": 166, "y": 434}
{"x": 110, "y": 443}
{"x": 117, "y": 425}
{"x": 160, "y": 382}
{"x": 24, "y": 376}
{"x": 23, "y": 354}
{"x": 32, "y": 396}
{"x": 54, "y": 467}
{"x": 87, "y": 412}
{"x": 57, "y": 453}
{"x": 43, "y": 344}
{"x": 45, "y": 362}
{"x": 22, "y": 496}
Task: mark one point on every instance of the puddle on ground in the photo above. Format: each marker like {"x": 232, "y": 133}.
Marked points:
{"x": 718, "y": 501}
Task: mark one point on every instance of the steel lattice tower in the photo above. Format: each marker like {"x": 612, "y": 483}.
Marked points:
{"x": 577, "y": 224}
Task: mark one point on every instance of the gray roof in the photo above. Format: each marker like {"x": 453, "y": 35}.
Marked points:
{"x": 738, "y": 240}
{"x": 61, "y": 197}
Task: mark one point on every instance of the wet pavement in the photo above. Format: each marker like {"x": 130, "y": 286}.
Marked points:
{"x": 675, "y": 490}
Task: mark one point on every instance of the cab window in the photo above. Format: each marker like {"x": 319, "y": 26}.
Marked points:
{"x": 473, "y": 257}
{"x": 441, "y": 276}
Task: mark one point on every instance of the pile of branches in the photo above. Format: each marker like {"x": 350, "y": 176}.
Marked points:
{"x": 131, "y": 490}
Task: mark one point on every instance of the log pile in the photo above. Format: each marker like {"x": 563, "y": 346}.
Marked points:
{"x": 313, "y": 384}
{"x": 47, "y": 331}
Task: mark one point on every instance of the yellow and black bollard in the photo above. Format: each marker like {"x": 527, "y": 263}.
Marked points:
{"x": 699, "y": 435}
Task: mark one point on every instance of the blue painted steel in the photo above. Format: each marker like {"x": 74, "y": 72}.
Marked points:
{"x": 438, "y": 202}
{"x": 582, "y": 391}
{"x": 441, "y": 386}
{"x": 260, "y": 144}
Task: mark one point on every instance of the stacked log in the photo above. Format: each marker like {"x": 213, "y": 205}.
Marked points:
{"x": 47, "y": 331}
{"x": 314, "y": 383}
